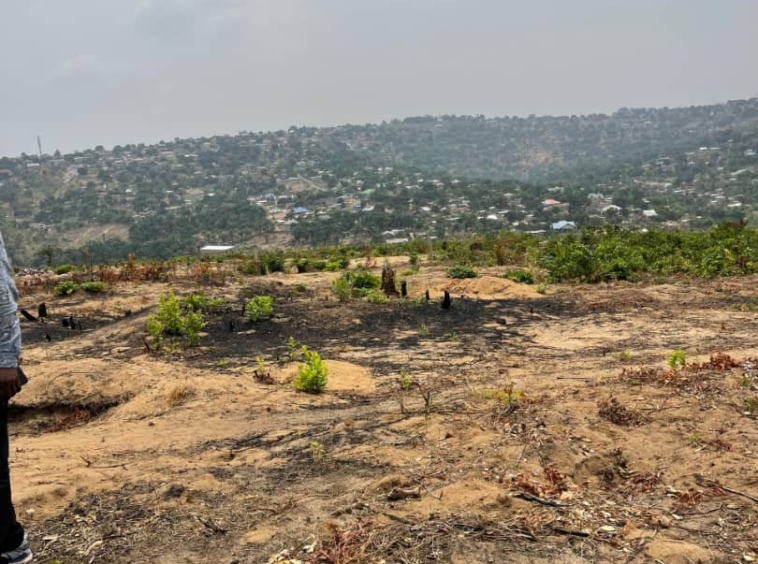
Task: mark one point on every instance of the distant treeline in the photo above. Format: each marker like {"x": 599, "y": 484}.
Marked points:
{"x": 588, "y": 255}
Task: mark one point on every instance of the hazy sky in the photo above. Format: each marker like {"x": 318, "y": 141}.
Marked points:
{"x": 104, "y": 72}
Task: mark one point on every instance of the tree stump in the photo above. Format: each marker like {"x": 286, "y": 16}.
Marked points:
{"x": 446, "y": 301}
{"x": 426, "y": 296}
{"x": 404, "y": 289}
{"x": 388, "y": 281}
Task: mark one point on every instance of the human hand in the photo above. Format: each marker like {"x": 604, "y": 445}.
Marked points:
{"x": 9, "y": 384}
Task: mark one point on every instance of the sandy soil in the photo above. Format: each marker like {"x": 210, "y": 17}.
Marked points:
{"x": 514, "y": 427}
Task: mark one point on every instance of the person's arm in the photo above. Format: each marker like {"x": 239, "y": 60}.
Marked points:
{"x": 10, "y": 329}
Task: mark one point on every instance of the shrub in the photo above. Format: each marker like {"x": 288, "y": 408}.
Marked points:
{"x": 355, "y": 283}
{"x": 170, "y": 320}
{"x": 377, "y": 297}
{"x": 311, "y": 376}
{"x": 461, "y": 271}
{"x": 64, "y": 268}
{"x": 342, "y": 289}
{"x": 196, "y": 301}
{"x": 259, "y": 308}
{"x": 66, "y": 288}
{"x": 155, "y": 329}
{"x": 676, "y": 359}
{"x": 520, "y": 276}
{"x": 273, "y": 261}
{"x": 192, "y": 324}
{"x": 94, "y": 287}
{"x": 170, "y": 313}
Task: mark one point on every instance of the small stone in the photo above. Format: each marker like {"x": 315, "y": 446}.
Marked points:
{"x": 608, "y": 529}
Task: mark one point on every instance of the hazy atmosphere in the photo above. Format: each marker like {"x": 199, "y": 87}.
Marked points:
{"x": 85, "y": 72}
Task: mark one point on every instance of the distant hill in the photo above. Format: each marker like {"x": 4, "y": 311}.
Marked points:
{"x": 418, "y": 177}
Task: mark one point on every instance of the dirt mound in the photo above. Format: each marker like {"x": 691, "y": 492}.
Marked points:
{"x": 341, "y": 377}
{"x": 488, "y": 287}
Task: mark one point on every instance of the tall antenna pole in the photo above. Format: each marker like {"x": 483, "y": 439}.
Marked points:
{"x": 39, "y": 146}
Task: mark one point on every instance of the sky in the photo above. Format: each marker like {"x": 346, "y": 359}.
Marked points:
{"x": 82, "y": 73}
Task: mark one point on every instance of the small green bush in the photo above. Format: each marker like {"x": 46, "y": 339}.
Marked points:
{"x": 66, "y": 288}
{"x": 259, "y": 308}
{"x": 155, "y": 329}
{"x": 94, "y": 287}
{"x": 170, "y": 313}
{"x": 377, "y": 297}
{"x": 462, "y": 271}
{"x": 677, "y": 359}
{"x": 196, "y": 301}
{"x": 273, "y": 262}
{"x": 520, "y": 276}
{"x": 355, "y": 283}
{"x": 311, "y": 376}
{"x": 192, "y": 324}
{"x": 64, "y": 268}
{"x": 170, "y": 320}
{"x": 342, "y": 289}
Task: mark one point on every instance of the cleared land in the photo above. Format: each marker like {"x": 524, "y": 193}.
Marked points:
{"x": 534, "y": 428}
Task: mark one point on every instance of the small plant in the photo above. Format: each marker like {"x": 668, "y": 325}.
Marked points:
{"x": 223, "y": 363}
{"x": 745, "y": 381}
{"x": 196, "y": 301}
{"x": 170, "y": 320}
{"x": 520, "y": 276}
{"x": 625, "y": 356}
{"x": 64, "y": 269}
{"x": 261, "y": 364}
{"x": 676, "y": 359}
{"x": 405, "y": 380}
{"x": 423, "y": 330}
{"x": 542, "y": 288}
{"x": 179, "y": 395}
{"x": 342, "y": 289}
{"x": 462, "y": 271}
{"x": 355, "y": 283}
{"x": 318, "y": 454}
{"x": 155, "y": 329}
{"x": 259, "y": 308}
{"x": 66, "y": 288}
{"x": 192, "y": 324}
{"x": 377, "y": 297}
{"x": 170, "y": 313}
{"x": 94, "y": 287}
{"x": 292, "y": 346}
{"x": 311, "y": 376}
{"x": 695, "y": 440}
{"x": 453, "y": 337}
{"x": 750, "y": 407}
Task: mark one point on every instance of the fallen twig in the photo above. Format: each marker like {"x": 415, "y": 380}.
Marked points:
{"x": 534, "y": 498}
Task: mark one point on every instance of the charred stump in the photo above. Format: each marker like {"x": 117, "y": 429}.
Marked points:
{"x": 388, "y": 281}
{"x": 404, "y": 289}
{"x": 426, "y": 296}
{"x": 446, "y": 301}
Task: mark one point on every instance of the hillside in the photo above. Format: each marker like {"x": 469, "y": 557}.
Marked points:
{"x": 419, "y": 177}
{"x": 516, "y": 426}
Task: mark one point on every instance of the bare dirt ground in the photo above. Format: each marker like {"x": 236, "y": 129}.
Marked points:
{"x": 534, "y": 428}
